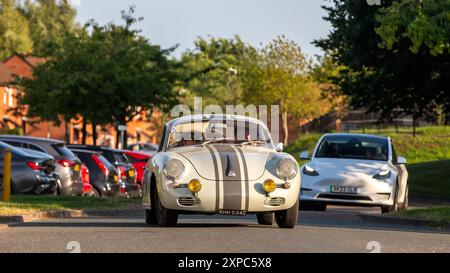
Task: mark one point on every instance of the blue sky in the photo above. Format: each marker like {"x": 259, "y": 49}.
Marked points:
{"x": 170, "y": 22}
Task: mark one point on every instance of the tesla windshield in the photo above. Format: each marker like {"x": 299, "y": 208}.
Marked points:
{"x": 353, "y": 147}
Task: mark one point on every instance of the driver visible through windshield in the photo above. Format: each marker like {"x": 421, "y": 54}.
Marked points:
{"x": 204, "y": 132}
{"x": 353, "y": 147}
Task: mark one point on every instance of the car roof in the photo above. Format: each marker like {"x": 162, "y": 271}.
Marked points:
{"x": 85, "y": 151}
{"x": 31, "y": 139}
{"x": 87, "y": 147}
{"x": 186, "y": 119}
{"x": 356, "y": 135}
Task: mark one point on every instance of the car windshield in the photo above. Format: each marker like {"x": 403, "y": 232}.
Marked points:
{"x": 218, "y": 131}
{"x": 353, "y": 147}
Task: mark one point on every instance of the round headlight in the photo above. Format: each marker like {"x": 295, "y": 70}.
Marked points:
{"x": 174, "y": 168}
{"x": 269, "y": 186}
{"x": 287, "y": 168}
{"x": 195, "y": 186}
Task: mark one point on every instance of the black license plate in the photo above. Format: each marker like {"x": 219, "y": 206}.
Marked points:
{"x": 229, "y": 212}
{"x": 344, "y": 189}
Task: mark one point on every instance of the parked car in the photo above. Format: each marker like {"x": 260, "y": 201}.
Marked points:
{"x": 68, "y": 166}
{"x": 147, "y": 148}
{"x": 139, "y": 161}
{"x": 216, "y": 173}
{"x": 31, "y": 172}
{"x": 354, "y": 169}
{"x": 102, "y": 174}
{"x": 125, "y": 169}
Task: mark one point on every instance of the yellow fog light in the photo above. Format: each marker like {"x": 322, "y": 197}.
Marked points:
{"x": 269, "y": 186}
{"x": 195, "y": 186}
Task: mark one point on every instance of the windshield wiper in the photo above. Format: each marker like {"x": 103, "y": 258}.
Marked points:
{"x": 212, "y": 141}
{"x": 253, "y": 142}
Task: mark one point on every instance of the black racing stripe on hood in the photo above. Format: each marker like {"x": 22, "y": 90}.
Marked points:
{"x": 247, "y": 185}
{"x": 232, "y": 186}
{"x": 216, "y": 173}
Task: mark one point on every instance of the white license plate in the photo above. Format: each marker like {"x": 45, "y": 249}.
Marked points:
{"x": 233, "y": 212}
{"x": 344, "y": 189}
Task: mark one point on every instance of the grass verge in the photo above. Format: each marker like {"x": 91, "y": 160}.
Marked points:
{"x": 24, "y": 204}
{"x": 439, "y": 215}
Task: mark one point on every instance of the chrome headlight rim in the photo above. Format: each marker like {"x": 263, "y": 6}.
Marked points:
{"x": 179, "y": 174}
{"x": 290, "y": 161}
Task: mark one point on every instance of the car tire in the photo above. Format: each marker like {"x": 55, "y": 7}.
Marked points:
{"x": 164, "y": 217}
{"x": 287, "y": 218}
{"x": 265, "y": 219}
{"x": 406, "y": 200}
{"x": 95, "y": 192}
{"x": 394, "y": 207}
{"x": 150, "y": 217}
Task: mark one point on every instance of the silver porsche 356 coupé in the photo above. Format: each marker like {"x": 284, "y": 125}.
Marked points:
{"x": 221, "y": 164}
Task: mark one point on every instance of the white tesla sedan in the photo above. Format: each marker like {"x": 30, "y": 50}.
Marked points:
{"x": 354, "y": 169}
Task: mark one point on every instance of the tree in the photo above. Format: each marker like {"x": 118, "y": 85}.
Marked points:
{"x": 424, "y": 23}
{"x": 426, "y": 26}
{"x": 283, "y": 77}
{"x": 105, "y": 74}
{"x": 14, "y": 30}
{"x": 47, "y": 20}
{"x": 381, "y": 80}
{"x": 213, "y": 70}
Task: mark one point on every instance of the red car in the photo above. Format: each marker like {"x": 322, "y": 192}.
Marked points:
{"x": 139, "y": 161}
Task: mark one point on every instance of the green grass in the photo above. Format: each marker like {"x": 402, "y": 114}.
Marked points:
{"x": 430, "y": 179}
{"x": 22, "y": 204}
{"x": 428, "y": 156}
{"x": 439, "y": 215}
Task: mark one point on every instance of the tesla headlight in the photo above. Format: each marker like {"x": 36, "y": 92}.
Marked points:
{"x": 383, "y": 174}
{"x": 310, "y": 171}
{"x": 287, "y": 168}
{"x": 174, "y": 168}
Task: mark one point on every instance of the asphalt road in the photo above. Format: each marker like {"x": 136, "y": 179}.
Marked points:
{"x": 337, "y": 230}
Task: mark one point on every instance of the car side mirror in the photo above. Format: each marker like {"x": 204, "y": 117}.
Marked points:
{"x": 305, "y": 156}
{"x": 401, "y": 160}
{"x": 280, "y": 147}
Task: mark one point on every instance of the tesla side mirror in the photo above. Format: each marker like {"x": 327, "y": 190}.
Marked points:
{"x": 280, "y": 147}
{"x": 401, "y": 160}
{"x": 305, "y": 156}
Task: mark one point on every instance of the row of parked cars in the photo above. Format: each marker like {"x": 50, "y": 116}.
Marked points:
{"x": 48, "y": 166}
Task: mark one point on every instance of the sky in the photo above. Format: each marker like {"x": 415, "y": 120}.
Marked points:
{"x": 171, "y": 22}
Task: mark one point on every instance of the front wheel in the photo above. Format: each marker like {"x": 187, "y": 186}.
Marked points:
{"x": 150, "y": 217}
{"x": 265, "y": 219}
{"x": 394, "y": 207}
{"x": 164, "y": 217}
{"x": 287, "y": 218}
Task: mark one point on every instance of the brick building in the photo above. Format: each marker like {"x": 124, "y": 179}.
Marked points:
{"x": 143, "y": 128}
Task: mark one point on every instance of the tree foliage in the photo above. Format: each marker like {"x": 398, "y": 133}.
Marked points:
{"x": 14, "y": 30}
{"x": 378, "y": 78}
{"x": 213, "y": 70}
{"x": 47, "y": 20}
{"x": 424, "y": 23}
{"x": 105, "y": 74}
{"x": 283, "y": 77}
{"x": 34, "y": 26}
